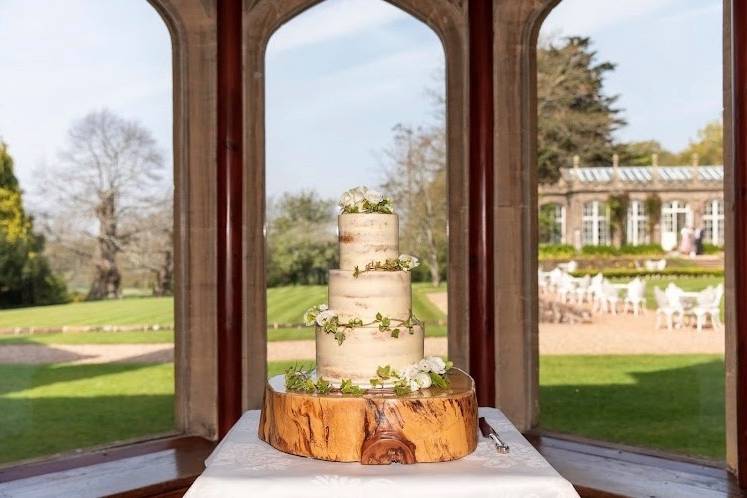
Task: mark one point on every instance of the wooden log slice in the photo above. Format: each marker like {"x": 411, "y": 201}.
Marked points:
{"x": 431, "y": 425}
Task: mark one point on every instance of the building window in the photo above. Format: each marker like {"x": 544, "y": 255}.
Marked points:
{"x": 637, "y": 229}
{"x": 552, "y": 224}
{"x": 595, "y": 228}
{"x": 713, "y": 222}
{"x": 675, "y": 215}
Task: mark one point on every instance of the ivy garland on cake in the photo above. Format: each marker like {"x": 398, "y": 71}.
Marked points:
{"x": 364, "y": 200}
{"x": 431, "y": 371}
{"x": 405, "y": 262}
{"x": 329, "y": 321}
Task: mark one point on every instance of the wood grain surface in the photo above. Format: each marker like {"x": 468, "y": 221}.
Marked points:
{"x": 431, "y": 425}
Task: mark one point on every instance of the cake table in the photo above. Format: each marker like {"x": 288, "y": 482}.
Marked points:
{"x": 242, "y": 465}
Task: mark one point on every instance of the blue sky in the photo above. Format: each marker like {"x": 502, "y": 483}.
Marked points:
{"x": 340, "y": 76}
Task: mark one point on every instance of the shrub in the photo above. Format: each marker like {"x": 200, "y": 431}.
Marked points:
{"x": 642, "y": 250}
{"x": 600, "y": 251}
{"x": 668, "y": 272}
{"x": 552, "y": 251}
{"x": 711, "y": 248}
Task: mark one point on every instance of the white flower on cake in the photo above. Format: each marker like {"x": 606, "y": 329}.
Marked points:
{"x": 407, "y": 262}
{"x": 363, "y": 200}
{"x": 436, "y": 364}
{"x": 373, "y": 196}
{"x": 310, "y": 316}
{"x": 423, "y": 380}
{"x": 324, "y": 316}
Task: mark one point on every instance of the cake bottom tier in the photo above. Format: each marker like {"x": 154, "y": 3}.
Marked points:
{"x": 363, "y": 351}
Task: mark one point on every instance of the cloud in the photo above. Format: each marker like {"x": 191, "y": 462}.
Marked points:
{"x": 333, "y": 19}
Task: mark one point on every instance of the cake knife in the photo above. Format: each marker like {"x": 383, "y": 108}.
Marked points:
{"x": 488, "y": 431}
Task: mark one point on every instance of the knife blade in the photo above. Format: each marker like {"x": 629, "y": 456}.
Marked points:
{"x": 488, "y": 431}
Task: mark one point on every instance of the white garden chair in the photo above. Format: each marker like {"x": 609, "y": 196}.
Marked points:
{"x": 595, "y": 292}
{"x": 581, "y": 291}
{"x": 635, "y": 297}
{"x": 667, "y": 307}
{"x": 610, "y": 297}
{"x": 709, "y": 305}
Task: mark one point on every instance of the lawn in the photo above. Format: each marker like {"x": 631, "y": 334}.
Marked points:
{"x": 284, "y": 305}
{"x": 673, "y": 403}
{"x": 128, "y": 311}
{"x": 49, "y": 409}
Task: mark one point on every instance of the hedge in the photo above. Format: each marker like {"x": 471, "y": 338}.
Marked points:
{"x": 640, "y": 272}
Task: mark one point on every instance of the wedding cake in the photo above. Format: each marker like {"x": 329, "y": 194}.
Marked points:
{"x": 366, "y": 334}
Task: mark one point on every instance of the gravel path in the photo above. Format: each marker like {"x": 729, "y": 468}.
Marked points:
{"x": 618, "y": 334}
{"x": 607, "y": 334}
{"x": 81, "y": 354}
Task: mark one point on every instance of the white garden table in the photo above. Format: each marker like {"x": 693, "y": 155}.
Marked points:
{"x": 242, "y": 465}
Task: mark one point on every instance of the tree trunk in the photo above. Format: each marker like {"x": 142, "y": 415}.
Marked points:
{"x": 164, "y": 283}
{"x": 107, "y": 280}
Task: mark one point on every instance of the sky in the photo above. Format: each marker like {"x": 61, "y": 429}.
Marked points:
{"x": 339, "y": 77}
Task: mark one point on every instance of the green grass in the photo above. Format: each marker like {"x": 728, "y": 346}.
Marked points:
{"x": 152, "y": 337}
{"x": 47, "y": 409}
{"x": 284, "y": 305}
{"x": 673, "y": 403}
{"x": 132, "y": 311}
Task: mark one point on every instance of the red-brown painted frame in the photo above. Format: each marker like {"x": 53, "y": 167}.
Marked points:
{"x": 481, "y": 282}
{"x": 230, "y": 197}
{"x": 738, "y": 142}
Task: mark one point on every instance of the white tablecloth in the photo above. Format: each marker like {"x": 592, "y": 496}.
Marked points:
{"x": 244, "y": 466}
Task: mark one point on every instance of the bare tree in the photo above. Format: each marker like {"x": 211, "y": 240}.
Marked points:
{"x": 151, "y": 246}
{"x": 416, "y": 178}
{"x": 107, "y": 172}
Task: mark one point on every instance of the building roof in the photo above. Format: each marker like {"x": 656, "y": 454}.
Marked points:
{"x": 641, "y": 174}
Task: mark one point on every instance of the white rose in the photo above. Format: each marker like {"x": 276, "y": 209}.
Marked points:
{"x": 424, "y": 365}
{"x": 346, "y": 200}
{"x": 373, "y": 196}
{"x": 324, "y": 316}
{"x": 407, "y": 262}
{"x": 410, "y": 372}
{"x": 436, "y": 364}
{"x": 423, "y": 380}
{"x": 323, "y": 307}
{"x": 414, "y": 386}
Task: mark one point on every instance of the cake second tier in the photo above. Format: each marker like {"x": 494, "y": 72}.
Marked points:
{"x": 385, "y": 292}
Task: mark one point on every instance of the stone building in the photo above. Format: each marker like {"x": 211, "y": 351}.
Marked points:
{"x": 578, "y": 207}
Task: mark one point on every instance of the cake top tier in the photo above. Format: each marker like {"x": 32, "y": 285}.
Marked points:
{"x": 364, "y": 200}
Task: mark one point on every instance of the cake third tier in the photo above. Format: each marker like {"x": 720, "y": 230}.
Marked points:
{"x": 385, "y": 292}
{"x": 368, "y": 237}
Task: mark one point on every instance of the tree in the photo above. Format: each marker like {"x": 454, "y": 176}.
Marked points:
{"x": 107, "y": 172}
{"x": 151, "y": 247}
{"x": 709, "y": 146}
{"x": 416, "y": 180}
{"x": 301, "y": 239}
{"x": 575, "y": 117}
{"x": 641, "y": 153}
{"x": 25, "y": 276}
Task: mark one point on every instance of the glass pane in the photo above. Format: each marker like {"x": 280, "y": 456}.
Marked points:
{"x": 86, "y": 189}
{"x": 647, "y": 255}
{"x": 345, "y": 109}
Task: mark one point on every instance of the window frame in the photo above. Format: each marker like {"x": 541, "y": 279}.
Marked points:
{"x": 262, "y": 18}
{"x": 193, "y": 30}
{"x": 637, "y": 223}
